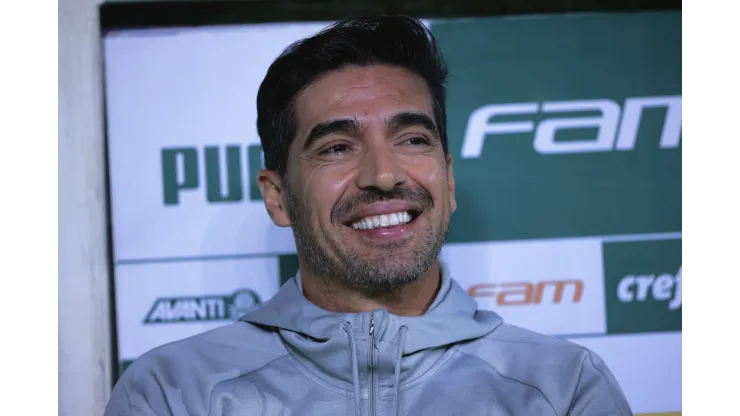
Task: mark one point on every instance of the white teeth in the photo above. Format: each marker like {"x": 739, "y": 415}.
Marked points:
{"x": 385, "y": 220}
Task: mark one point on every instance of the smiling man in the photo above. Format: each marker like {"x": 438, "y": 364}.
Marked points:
{"x": 352, "y": 123}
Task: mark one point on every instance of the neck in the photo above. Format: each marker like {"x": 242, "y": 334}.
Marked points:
{"x": 333, "y": 295}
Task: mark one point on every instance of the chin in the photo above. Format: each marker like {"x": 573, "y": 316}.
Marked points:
{"x": 378, "y": 285}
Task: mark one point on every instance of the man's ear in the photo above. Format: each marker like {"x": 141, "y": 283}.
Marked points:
{"x": 273, "y": 193}
{"x": 451, "y": 184}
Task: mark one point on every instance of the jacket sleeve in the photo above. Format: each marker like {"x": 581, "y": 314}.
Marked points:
{"x": 598, "y": 393}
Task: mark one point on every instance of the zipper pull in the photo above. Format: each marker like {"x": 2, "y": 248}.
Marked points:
{"x": 372, "y": 324}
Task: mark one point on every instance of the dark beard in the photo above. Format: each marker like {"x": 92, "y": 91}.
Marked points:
{"x": 371, "y": 276}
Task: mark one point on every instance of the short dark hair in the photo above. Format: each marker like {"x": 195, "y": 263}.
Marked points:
{"x": 399, "y": 41}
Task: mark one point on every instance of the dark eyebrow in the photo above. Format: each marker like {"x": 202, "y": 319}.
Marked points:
{"x": 347, "y": 126}
{"x": 408, "y": 119}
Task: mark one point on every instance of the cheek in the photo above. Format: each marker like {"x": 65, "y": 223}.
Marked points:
{"x": 430, "y": 174}
{"x": 325, "y": 187}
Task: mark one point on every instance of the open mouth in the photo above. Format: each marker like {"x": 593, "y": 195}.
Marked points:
{"x": 389, "y": 220}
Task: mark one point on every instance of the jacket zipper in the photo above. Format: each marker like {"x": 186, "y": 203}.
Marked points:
{"x": 372, "y": 365}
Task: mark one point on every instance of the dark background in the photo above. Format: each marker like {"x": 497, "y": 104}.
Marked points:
{"x": 170, "y": 13}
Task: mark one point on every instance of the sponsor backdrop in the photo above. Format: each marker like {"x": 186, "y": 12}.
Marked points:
{"x": 566, "y": 135}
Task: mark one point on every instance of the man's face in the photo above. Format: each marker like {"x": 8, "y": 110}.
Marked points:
{"x": 369, "y": 190}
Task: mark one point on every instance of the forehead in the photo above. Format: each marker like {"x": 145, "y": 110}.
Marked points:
{"x": 368, "y": 94}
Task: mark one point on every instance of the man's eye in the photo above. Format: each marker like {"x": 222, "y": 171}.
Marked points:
{"x": 335, "y": 149}
{"x": 417, "y": 141}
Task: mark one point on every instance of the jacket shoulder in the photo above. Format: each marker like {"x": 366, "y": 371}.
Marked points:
{"x": 522, "y": 354}
{"x": 237, "y": 345}
{"x": 567, "y": 374}
{"x": 178, "y": 377}
{"x": 515, "y": 335}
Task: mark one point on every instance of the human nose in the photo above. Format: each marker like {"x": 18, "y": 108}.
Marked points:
{"x": 380, "y": 168}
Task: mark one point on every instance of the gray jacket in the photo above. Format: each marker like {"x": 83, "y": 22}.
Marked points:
{"x": 289, "y": 357}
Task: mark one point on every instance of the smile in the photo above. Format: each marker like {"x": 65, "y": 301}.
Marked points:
{"x": 382, "y": 221}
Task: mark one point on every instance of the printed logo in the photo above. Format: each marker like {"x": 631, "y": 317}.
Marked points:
{"x": 530, "y": 293}
{"x": 582, "y": 149}
{"x": 203, "y": 308}
{"x": 643, "y": 284}
{"x": 216, "y": 171}
{"x": 616, "y": 130}
{"x": 540, "y": 162}
{"x": 644, "y": 288}
{"x": 539, "y": 285}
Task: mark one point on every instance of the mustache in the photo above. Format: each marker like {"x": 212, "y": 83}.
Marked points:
{"x": 345, "y": 207}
